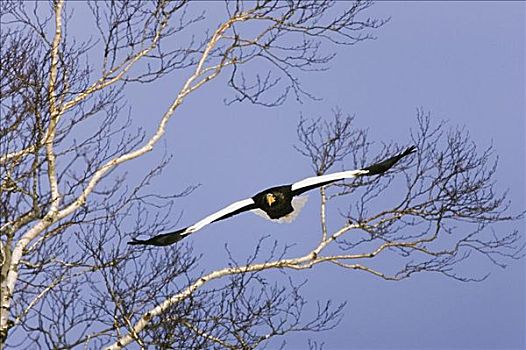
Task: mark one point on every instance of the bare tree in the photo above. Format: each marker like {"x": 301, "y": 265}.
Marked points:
{"x": 447, "y": 201}
{"x": 67, "y": 277}
{"x": 67, "y": 205}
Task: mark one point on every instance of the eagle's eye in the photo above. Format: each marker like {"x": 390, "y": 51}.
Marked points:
{"x": 270, "y": 198}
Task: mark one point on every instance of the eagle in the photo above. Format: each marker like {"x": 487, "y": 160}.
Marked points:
{"x": 280, "y": 203}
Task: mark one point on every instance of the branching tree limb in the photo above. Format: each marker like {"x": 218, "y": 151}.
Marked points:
{"x": 449, "y": 184}
{"x": 65, "y": 137}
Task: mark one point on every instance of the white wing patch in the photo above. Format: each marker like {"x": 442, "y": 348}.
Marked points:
{"x": 329, "y": 177}
{"x": 297, "y": 203}
{"x": 210, "y": 218}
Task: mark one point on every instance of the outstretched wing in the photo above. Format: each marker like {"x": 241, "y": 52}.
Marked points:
{"x": 375, "y": 169}
{"x": 318, "y": 181}
{"x": 172, "y": 237}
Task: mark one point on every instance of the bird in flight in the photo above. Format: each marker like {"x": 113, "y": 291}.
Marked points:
{"x": 280, "y": 203}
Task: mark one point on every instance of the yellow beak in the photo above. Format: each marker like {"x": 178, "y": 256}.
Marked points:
{"x": 270, "y": 199}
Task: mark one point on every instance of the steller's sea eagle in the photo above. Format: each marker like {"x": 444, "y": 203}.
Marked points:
{"x": 278, "y": 203}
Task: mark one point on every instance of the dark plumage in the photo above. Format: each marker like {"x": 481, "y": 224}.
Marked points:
{"x": 279, "y": 203}
{"x": 276, "y": 202}
{"x": 385, "y": 165}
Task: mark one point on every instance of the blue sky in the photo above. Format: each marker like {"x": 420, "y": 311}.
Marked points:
{"x": 461, "y": 61}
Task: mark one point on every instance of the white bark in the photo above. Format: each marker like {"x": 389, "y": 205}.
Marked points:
{"x": 200, "y": 76}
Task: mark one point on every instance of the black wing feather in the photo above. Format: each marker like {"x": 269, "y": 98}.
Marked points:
{"x": 385, "y": 165}
{"x": 162, "y": 239}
